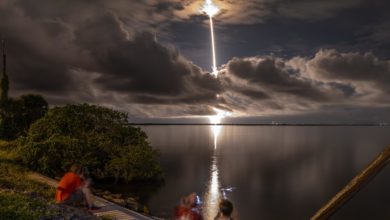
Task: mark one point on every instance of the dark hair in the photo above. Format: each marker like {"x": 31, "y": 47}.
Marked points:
{"x": 84, "y": 172}
{"x": 75, "y": 168}
{"x": 225, "y": 207}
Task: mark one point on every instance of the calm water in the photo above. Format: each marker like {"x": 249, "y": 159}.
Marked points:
{"x": 279, "y": 172}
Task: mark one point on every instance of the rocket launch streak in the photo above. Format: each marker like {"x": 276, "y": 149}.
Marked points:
{"x": 215, "y": 72}
{"x": 211, "y": 9}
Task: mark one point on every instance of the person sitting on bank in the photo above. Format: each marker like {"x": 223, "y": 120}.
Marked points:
{"x": 225, "y": 210}
{"x": 187, "y": 209}
{"x": 73, "y": 188}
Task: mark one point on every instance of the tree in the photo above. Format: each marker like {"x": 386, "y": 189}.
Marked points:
{"x": 17, "y": 115}
{"x": 4, "y": 88}
{"x": 32, "y": 107}
{"x": 93, "y": 136}
{"x": 8, "y": 129}
{"x": 4, "y": 84}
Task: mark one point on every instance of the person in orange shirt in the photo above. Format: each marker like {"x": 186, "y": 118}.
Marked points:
{"x": 73, "y": 189}
{"x": 187, "y": 209}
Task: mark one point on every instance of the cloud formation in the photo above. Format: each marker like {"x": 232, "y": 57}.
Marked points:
{"x": 106, "y": 53}
{"x": 94, "y": 59}
{"x": 300, "y": 84}
{"x": 257, "y": 11}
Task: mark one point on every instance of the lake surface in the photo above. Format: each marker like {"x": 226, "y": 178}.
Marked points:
{"x": 279, "y": 172}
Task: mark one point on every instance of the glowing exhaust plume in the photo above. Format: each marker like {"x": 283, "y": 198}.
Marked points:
{"x": 215, "y": 120}
{"x": 211, "y": 10}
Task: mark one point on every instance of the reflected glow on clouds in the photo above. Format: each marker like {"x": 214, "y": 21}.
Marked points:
{"x": 220, "y": 114}
{"x": 210, "y": 8}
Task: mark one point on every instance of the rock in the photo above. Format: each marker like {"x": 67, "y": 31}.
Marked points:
{"x": 132, "y": 204}
{"x": 72, "y": 213}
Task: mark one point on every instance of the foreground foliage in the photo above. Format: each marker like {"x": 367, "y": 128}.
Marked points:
{"x": 21, "y": 198}
{"x": 20, "y": 206}
{"x": 16, "y": 115}
{"x": 92, "y": 136}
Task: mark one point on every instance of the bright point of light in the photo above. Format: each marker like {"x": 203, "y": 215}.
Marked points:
{"x": 221, "y": 114}
{"x": 210, "y": 8}
{"x": 216, "y": 129}
{"x": 215, "y": 120}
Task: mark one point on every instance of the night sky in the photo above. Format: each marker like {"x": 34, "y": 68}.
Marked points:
{"x": 302, "y": 61}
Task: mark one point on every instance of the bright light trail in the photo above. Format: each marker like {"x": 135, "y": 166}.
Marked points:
{"x": 215, "y": 71}
{"x": 213, "y": 195}
{"x": 215, "y": 120}
{"x": 211, "y": 10}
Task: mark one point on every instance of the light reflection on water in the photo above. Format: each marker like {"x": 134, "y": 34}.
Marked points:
{"x": 213, "y": 194}
{"x": 281, "y": 172}
{"x": 216, "y": 130}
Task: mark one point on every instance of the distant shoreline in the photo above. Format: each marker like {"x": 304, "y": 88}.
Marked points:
{"x": 248, "y": 124}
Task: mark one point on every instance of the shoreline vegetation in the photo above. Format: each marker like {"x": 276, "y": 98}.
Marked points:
{"x": 24, "y": 198}
{"x": 34, "y": 137}
{"x": 92, "y": 136}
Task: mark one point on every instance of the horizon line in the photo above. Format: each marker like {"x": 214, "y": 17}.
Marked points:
{"x": 266, "y": 124}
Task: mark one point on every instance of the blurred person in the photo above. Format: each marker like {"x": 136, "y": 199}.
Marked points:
{"x": 86, "y": 188}
{"x": 74, "y": 188}
{"x": 225, "y": 210}
{"x": 187, "y": 209}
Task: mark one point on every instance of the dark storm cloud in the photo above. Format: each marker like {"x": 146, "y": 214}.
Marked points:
{"x": 275, "y": 85}
{"x": 166, "y": 110}
{"x": 352, "y": 67}
{"x": 106, "y": 53}
{"x": 312, "y": 10}
{"x": 90, "y": 54}
{"x": 258, "y": 11}
{"x": 380, "y": 33}
{"x": 331, "y": 64}
{"x": 144, "y": 67}
{"x": 254, "y": 94}
{"x": 347, "y": 89}
{"x": 271, "y": 73}
{"x": 32, "y": 56}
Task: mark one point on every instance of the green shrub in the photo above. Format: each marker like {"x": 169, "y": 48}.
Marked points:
{"x": 19, "y": 206}
{"x": 22, "y": 198}
{"x": 92, "y": 136}
{"x": 16, "y": 115}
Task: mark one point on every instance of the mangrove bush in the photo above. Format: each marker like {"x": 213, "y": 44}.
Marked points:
{"x": 92, "y": 136}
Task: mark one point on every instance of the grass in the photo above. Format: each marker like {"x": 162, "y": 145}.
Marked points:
{"x": 14, "y": 205}
{"x": 21, "y": 198}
